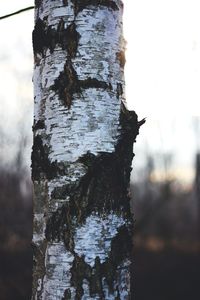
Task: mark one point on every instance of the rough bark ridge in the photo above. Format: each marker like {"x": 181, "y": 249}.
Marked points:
{"x": 82, "y": 152}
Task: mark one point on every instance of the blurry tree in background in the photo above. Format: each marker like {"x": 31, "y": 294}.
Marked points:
{"x": 166, "y": 236}
{"x": 15, "y": 231}
{"x": 197, "y": 188}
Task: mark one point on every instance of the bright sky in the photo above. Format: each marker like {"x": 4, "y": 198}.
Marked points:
{"x": 16, "y": 96}
{"x": 163, "y": 56}
{"x": 163, "y": 53}
{"x": 162, "y": 72}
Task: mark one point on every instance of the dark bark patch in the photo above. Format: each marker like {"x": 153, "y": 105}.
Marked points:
{"x": 88, "y": 159}
{"x": 60, "y": 226}
{"x": 38, "y": 3}
{"x": 122, "y": 59}
{"x": 79, "y": 5}
{"x": 72, "y": 36}
{"x": 59, "y": 220}
{"x": 142, "y": 122}
{"x": 38, "y": 125}
{"x": 45, "y": 37}
{"x": 65, "y": 2}
{"x": 119, "y": 90}
{"x": 67, "y": 295}
{"x": 105, "y": 172}
{"x": 94, "y": 83}
{"x": 124, "y": 148}
{"x": 81, "y": 270}
{"x": 121, "y": 246}
{"x": 39, "y": 37}
{"x": 39, "y": 268}
{"x": 68, "y": 38}
{"x": 67, "y": 84}
{"x": 104, "y": 187}
{"x": 51, "y": 39}
{"x": 130, "y": 127}
{"x": 41, "y": 166}
{"x": 63, "y": 191}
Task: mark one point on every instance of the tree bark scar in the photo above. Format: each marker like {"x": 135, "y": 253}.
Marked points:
{"x": 68, "y": 84}
{"x": 45, "y": 37}
{"x": 79, "y": 5}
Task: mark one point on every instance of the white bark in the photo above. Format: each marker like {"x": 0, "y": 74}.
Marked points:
{"x": 78, "y": 91}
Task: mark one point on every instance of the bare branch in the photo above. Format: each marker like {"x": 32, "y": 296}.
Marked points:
{"x": 17, "y": 12}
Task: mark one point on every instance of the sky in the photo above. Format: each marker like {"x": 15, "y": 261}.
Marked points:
{"x": 163, "y": 53}
{"x": 163, "y": 56}
{"x": 163, "y": 79}
{"x": 16, "y": 96}
{"x": 162, "y": 76}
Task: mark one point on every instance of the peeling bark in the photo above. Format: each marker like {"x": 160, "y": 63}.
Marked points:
{"x": 82, "y": 152}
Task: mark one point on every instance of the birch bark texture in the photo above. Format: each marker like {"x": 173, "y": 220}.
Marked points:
{"x": 82, "y": 152}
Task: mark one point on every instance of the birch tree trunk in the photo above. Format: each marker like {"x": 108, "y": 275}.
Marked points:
{"x": 82, "y": 152}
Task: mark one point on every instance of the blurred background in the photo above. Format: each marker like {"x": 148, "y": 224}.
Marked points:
{"x": 163, "y": 75}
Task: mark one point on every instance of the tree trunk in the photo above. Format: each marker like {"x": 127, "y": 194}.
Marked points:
{"x": 82, "y": 152}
